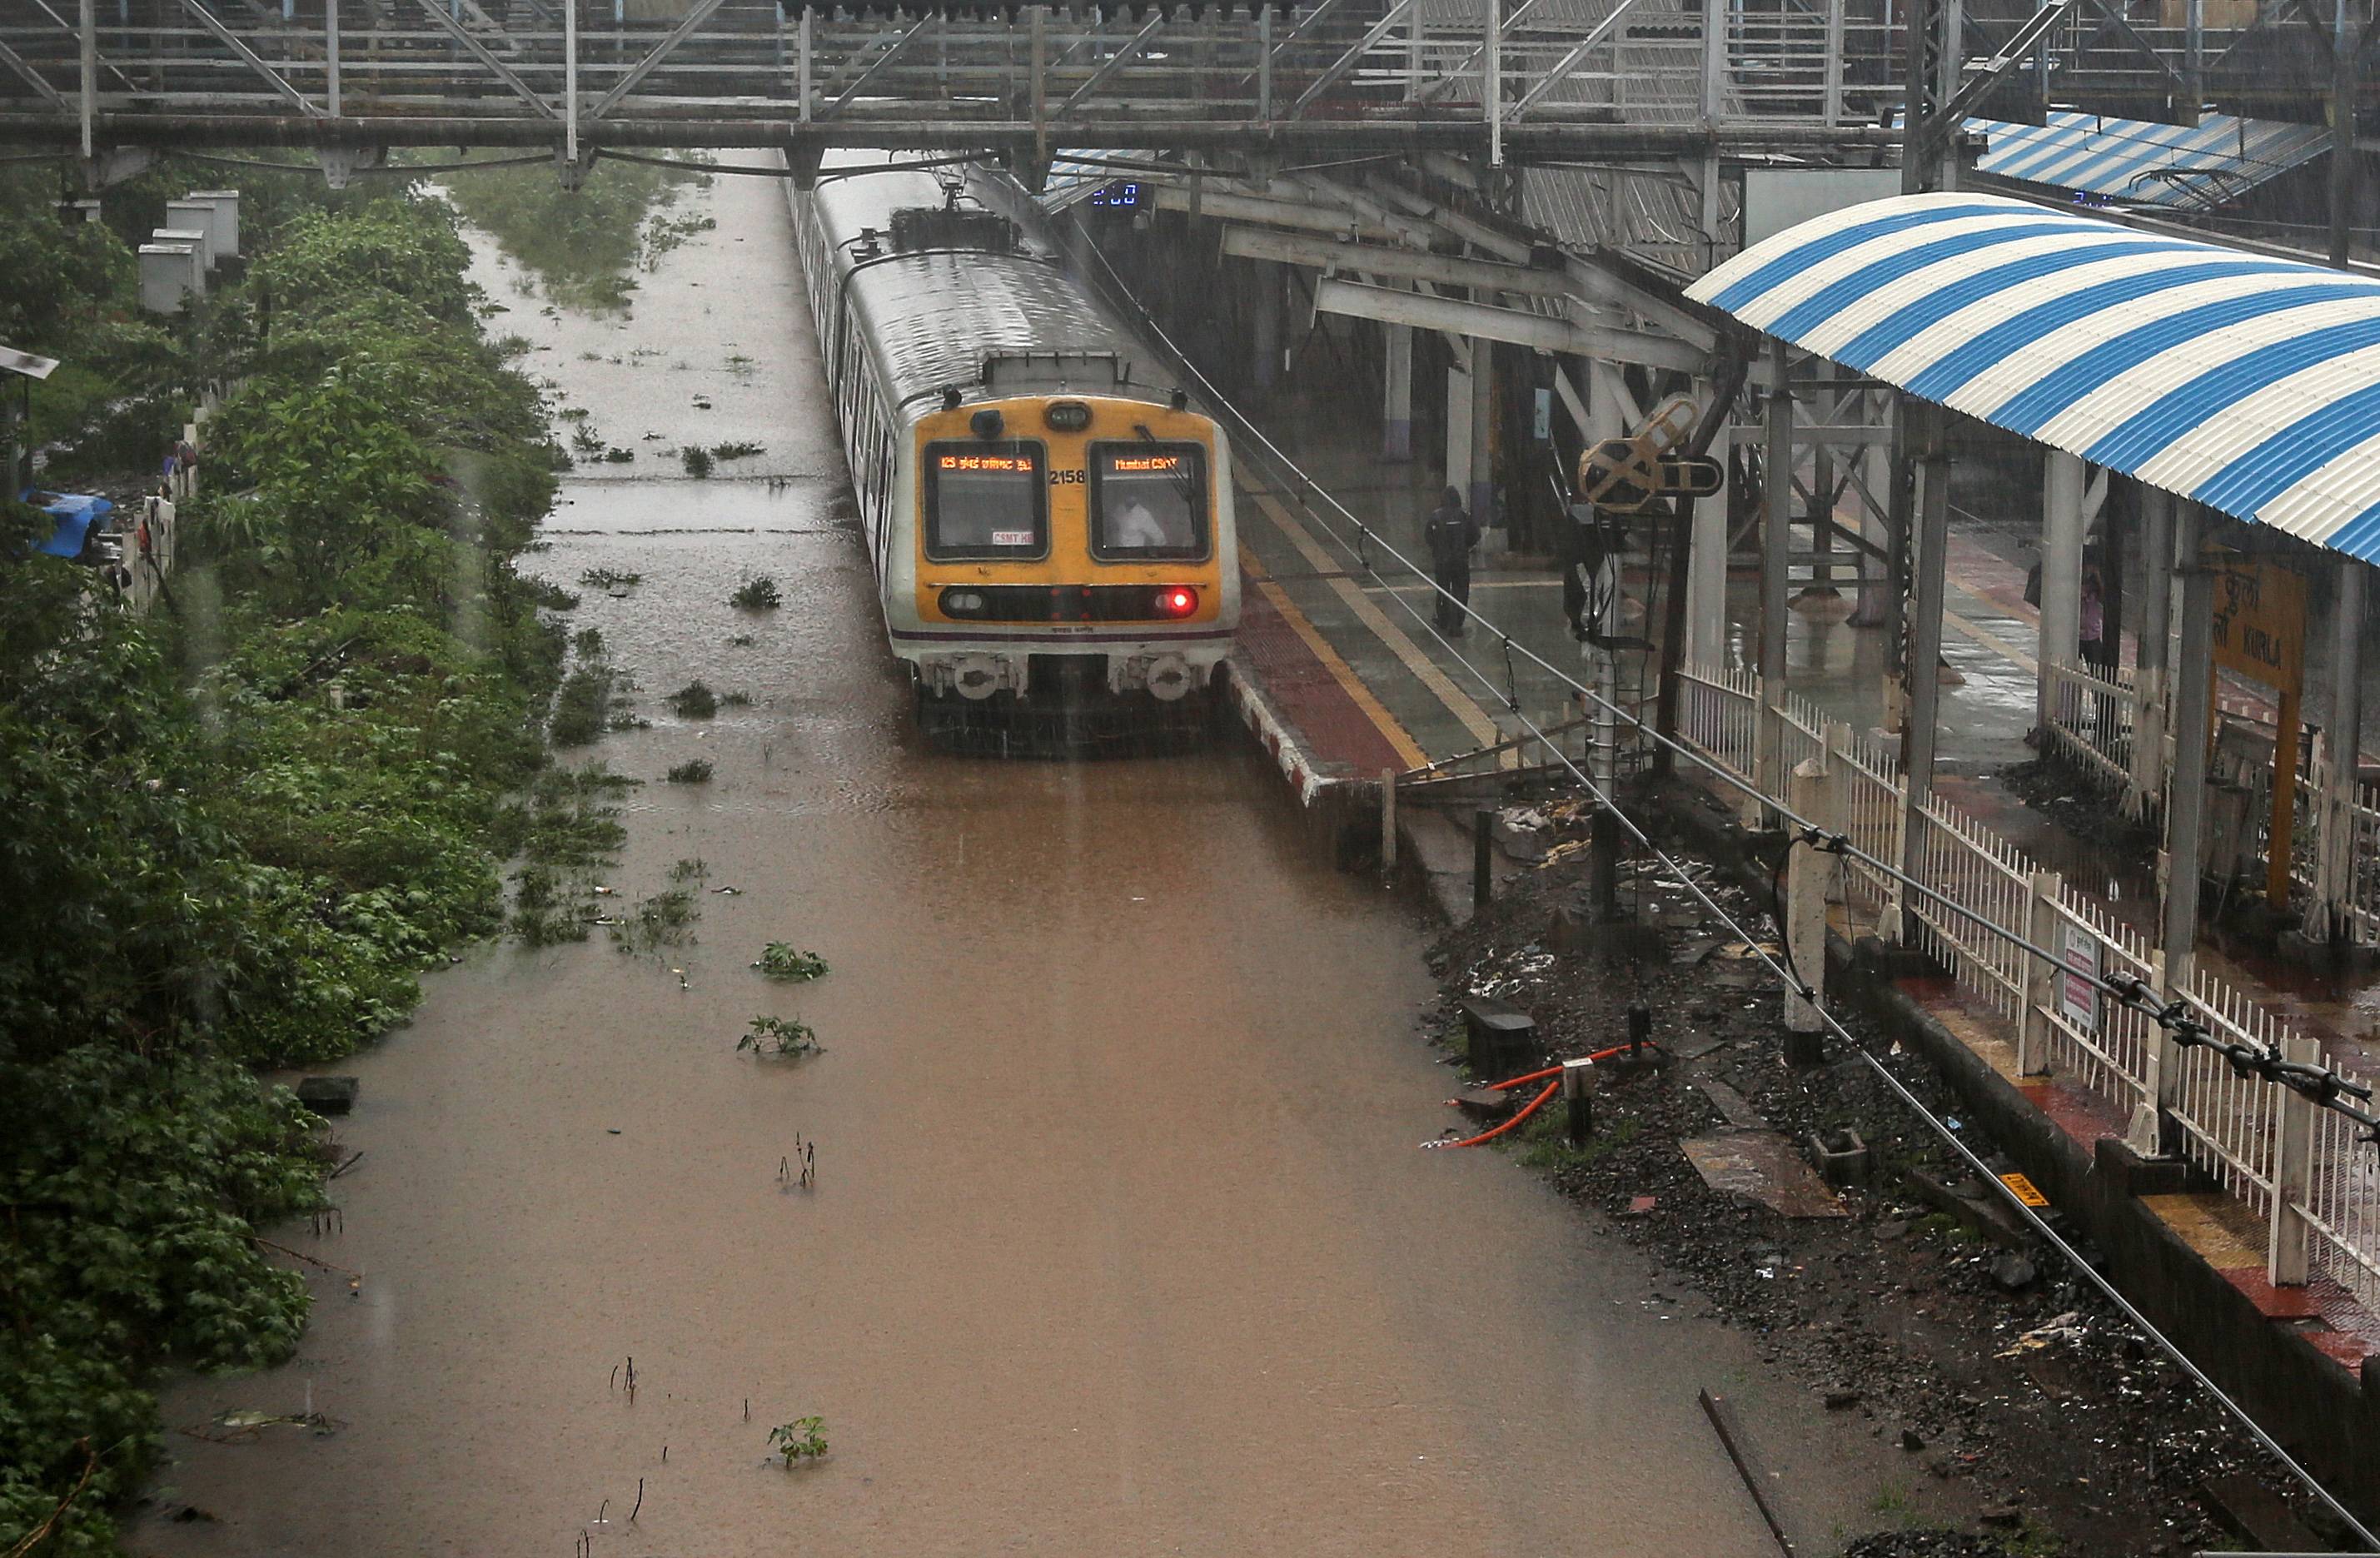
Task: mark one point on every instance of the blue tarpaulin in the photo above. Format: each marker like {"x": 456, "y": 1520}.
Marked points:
{"x": 75, "y": 514}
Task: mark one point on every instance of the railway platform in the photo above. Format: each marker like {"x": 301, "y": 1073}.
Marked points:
{"x": 1346, "y": 680}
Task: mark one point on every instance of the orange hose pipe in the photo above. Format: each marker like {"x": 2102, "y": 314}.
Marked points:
{"x": 1553, "y": 1070}
{"x": 1534, "y": 1105}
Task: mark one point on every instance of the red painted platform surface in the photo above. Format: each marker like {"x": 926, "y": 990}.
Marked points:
{"x": 1342, "y": 739}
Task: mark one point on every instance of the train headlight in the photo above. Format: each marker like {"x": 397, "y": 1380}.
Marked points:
{"x": 963, "y": 603}
{"x": 1175, "y": 601}
{"x": 1066, "y": 416}
{"x": 987, "y": 423}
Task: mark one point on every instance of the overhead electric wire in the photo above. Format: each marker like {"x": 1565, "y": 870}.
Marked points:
{"x": 1683, "y": 878}
{"x": 2320, "y": 1084}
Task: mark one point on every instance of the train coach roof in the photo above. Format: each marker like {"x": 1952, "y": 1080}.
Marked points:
{"x": 931, "y": 318}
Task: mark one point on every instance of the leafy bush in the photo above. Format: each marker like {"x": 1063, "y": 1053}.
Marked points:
{"x": 758, "y": 592}
{"x": 693, "y": 771}
{"x": 582, "y": 706}
{"x": 581, "y": 244}
{"x": 248, "y": 846}
{"x": 694, "y": 702}
{"x": 697, "y": 459}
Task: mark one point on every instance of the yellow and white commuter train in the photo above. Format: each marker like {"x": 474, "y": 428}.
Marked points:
{"x": 1052, "y": 531}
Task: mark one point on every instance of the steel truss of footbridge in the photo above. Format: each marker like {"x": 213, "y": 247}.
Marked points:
{"x": 1534, "y": 81}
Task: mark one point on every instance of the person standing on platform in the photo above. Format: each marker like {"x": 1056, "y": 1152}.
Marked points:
{"x": 1451, "y": 532}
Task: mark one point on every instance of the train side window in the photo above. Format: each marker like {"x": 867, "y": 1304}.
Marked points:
{"x": 986, "y": 500}
{"x": 1148, "y": 501}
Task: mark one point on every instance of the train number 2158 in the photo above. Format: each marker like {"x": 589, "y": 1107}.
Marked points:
{"x": 1068, "y": 478}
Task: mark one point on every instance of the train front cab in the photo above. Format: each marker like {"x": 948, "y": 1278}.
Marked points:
{"x": 1073, "y": 549}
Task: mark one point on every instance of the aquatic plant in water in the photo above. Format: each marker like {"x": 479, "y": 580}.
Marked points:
{"x": 783, "y": 961}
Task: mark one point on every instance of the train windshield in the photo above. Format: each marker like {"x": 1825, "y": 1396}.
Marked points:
{"x": 1149, "y": 500}
{"x": 986, "y": 500}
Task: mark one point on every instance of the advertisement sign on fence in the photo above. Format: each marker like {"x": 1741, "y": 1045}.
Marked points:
{"x": 2077, "y": 989}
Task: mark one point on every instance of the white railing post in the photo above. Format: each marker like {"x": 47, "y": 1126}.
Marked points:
{"x": 1888, "y": 924}
{"x": 2041, "y": 929}
{"x": 2160, "y": 1068}
{"x": 1767, "y": 739}
{"x": 2284, "y": 1256}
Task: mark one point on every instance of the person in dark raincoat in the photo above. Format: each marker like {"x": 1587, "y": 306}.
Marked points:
{"x": 1451, "y": 532}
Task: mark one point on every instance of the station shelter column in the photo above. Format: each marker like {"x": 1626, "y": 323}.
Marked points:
{"x": 1458, "y": 424}
{"x": 1264, "y": 335}
{"x": 2062, "y": 483}
{"x": 1396, "y": 399}
{"x": 1482, "y": 494}
{"x": 1706, "y": 564}
{"x": 2343, "y": 743}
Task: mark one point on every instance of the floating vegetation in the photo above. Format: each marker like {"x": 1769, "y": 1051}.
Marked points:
{"x": 693, "y": 771}
{"x": 737, "y": 451}
{"x": 783, "y": 962}
{"x": 610, "y": 578}
{"x": 589, "y": 642}
{"x": 617, "y": 455}
{"x": 783, "y": 1036}
{"x": 568, "y": 828}
{"x": 694, "y": 702}
{"x": 758, "y": 592}
{"x": 735, "y": 700}
{"x": 664, "y": 920}
{"x": 741, "y": 640}
{"x": 697, "y": 459}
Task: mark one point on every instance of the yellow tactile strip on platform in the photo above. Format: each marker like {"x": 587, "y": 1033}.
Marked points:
{"x": 2226, "y": 1235}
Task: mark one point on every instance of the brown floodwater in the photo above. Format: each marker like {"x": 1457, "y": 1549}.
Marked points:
{"x": 1120, "y": 1240}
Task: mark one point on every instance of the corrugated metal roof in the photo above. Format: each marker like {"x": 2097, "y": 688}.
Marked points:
{"x": 2187, "y": 167}
{"x": 2250, "y": 383}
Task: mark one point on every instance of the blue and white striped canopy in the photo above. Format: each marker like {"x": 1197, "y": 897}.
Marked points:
{"x": 2250, "y": 383}
{"x": 2189, "y": 166}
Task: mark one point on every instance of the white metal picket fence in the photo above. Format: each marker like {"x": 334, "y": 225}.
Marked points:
{"x": 2092, "y": 715}
{"x": 2299, "y": 1168}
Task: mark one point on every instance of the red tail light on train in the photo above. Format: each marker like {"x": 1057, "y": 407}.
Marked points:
{"x": 1176, "y": 601}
